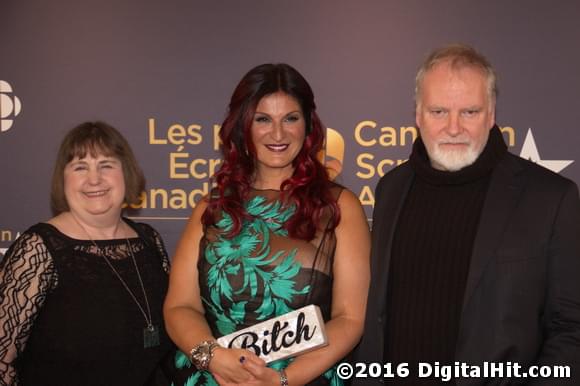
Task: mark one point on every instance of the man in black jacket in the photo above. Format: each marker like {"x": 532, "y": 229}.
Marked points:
{"x": 475, "y": 251}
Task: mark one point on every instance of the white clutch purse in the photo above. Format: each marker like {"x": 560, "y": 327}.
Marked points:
{"x": 281, "y": 337}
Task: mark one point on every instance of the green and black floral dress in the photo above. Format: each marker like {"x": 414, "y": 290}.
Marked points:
{"x": 259, "y": 274}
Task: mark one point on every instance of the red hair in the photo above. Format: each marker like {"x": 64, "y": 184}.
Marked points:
{"x": 309, "y": 188}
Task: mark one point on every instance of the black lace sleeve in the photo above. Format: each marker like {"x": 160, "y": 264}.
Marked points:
{"x": 27, "y": 274}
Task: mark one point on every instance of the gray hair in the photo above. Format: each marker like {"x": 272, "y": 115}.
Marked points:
{"x": 458, "y": 56}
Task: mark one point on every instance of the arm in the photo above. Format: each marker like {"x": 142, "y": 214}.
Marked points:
{"x": 562, "y": 308}
{"x": 27, "y": 274}
{"x": 183, "y": 310}
{"x": 349, "y": 296}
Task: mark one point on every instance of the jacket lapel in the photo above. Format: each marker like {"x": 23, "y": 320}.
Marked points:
{"x": 385, "y": 217}
{"x": 501, "y": 199}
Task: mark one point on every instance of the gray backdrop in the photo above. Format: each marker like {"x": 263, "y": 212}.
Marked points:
{"x": 163, "y": 71}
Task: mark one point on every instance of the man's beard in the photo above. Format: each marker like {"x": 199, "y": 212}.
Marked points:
{"x": 453, "y": 160}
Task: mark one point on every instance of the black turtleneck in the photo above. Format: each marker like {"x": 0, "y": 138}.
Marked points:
{"x": 430, "y": 258}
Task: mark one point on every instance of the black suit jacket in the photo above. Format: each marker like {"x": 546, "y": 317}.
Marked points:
{"x": 522, "y": 297}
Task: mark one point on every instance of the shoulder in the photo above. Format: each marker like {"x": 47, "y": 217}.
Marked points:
{"x": 402, "y": 171}
{"x": 195, "y": 223}
{"x": 394, "y": 179}
{"x": 347, "y": 198}
{"x": 200, "y": 207}
{"x": 537, "y": 177}
{"x": 343, "y": 196}
{"x": 542, "y": 193}
{"x": 141, "y": 227}
{"x": 147, "y": 232}
{"x": 351, "y": 210}
{"x": 34, "y": 237}
{"x": 336, "y": 190}
{"x": 30, "y": 248}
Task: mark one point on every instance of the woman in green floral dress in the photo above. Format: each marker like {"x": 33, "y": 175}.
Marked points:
{"x": 274, "y": 235}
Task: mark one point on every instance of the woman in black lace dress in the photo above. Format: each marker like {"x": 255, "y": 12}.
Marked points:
{"x": 275, "y": 235}
{"x": 81, "y": 294}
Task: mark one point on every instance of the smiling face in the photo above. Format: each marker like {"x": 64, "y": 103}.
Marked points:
{"x": 94, "y": 185}
{"x": 278, "y": 131}
{"x": 454, "y": 113}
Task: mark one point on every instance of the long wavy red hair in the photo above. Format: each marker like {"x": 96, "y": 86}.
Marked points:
{"x": 309, "y": 188}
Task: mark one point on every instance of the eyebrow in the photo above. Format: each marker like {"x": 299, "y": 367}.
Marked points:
{"x": 291, "y": 112}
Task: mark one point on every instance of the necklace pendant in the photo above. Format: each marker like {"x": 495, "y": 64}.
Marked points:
{"x": 150, "y": 336}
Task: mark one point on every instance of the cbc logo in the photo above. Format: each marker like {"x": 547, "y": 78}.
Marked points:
{"x": 10, "y": 106}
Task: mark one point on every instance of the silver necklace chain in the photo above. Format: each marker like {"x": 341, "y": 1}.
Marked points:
{"x": 147, "y": 316}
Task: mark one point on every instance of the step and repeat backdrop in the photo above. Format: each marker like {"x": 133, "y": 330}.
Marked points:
{"x": 162, "y": 72}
